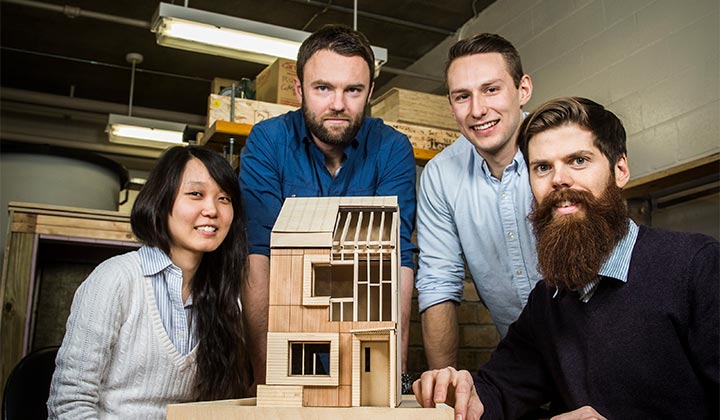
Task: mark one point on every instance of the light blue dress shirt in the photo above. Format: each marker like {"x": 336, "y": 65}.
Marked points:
{"x": 167, "y": 280}
{"x": 466, "y": 214}
{"x": 618, "y": 263}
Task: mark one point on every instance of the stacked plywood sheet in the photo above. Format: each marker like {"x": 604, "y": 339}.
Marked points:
{"x": 424, "y": 118}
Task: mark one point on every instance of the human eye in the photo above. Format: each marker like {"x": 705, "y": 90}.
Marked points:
{"x": 492, "y": 90}
{"x": 322, "y": 88}
{"x": 579, "y": 161}
{"x": 225, "y": 199}
{"x": 460, "y": 97}
{"x": 194, "y": 193}
{"x": 541, "y": 168}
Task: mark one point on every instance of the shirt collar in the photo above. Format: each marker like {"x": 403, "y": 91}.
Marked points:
{"x": 154, "y": 260}
{"x": 616, "y": 266}
{"x": 517, "y": 164}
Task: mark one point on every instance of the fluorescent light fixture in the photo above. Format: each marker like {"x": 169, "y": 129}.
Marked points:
{"x": 227, "y": 36}
{"x": 144, "y": 132}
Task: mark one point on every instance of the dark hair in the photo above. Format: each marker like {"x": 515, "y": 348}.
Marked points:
{"x": 339, "y": 39}
{"x": 606, "y": 128}
{"x": 488, "y": 43}
{"x": 222, "y": 361}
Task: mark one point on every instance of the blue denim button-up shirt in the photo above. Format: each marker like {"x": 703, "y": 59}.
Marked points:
{"x": 280, "y": 160}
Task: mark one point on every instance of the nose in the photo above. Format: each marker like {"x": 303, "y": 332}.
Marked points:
{"x": 338, "y": 102}
{"x": 479, "y": 108}
{"x": 210, "y": 209}
{"x": 562, "y": 178}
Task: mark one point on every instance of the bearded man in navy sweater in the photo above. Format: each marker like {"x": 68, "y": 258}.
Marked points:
{"x": 625, "y": 323}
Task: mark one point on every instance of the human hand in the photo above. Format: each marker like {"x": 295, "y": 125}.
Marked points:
{"x": 582, "y": 413}
{"x": 452, "y": 387}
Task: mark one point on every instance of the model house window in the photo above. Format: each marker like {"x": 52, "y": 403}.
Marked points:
{"x": 310, "y": 359}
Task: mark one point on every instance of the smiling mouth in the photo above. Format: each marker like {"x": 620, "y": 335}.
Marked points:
{"x": 566, "y": 207}
{"x": 485, "y": 126}
{"x": 206, "y": 228}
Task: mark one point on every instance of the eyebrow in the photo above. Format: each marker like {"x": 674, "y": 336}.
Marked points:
{"x": 482, "y": 86}
{"x": 576, "y": 154}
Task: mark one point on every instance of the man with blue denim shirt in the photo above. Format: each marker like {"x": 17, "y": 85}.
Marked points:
{"x": 328, "y": 148}
{"x": 474, "y": 199}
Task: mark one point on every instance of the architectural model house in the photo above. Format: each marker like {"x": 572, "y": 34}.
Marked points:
{"x": 333, "y": 336}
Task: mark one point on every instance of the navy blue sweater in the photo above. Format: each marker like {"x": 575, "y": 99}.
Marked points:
{"x": 643, "y": 349}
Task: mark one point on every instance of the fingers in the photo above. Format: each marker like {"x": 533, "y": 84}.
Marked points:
{"x": 451, "y": 387}
{"x": 423, "y": 389}
{"x": 467, "y": 403}
{"x": 582, "y": 413}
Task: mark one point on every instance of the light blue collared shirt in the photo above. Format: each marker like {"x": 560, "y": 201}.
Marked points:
{"x": 466, "y": 214}
{"x": 617, "y": 264}
{"x": 167, "y": 280}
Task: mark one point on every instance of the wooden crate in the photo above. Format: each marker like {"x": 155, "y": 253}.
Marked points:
{"x": 427, "y": 138}
{"x": 247, "y": 111}
{"x": 412, "y": 107}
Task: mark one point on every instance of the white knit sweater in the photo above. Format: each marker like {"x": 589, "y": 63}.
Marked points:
{"x": 116, "y": 360}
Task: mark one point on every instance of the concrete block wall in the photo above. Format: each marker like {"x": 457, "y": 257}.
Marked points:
{"x": 652, "y": 62}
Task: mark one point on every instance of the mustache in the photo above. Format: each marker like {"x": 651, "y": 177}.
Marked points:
{"x": 337, "y": 114}
{"x": 567, "y": 194}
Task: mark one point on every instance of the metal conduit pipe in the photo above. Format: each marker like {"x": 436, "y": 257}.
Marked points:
{"x": 24, "y": 96}
{"x": 375, "y": 16}
{"x": 92, "y": 147}
{"x": 75, "y": 11}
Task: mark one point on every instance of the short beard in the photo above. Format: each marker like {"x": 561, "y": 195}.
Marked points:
{"x": 572, "y": 248}
{"x": 317, "y": 129}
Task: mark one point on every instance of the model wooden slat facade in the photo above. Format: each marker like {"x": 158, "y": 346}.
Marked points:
{"x": 333, "y": 317}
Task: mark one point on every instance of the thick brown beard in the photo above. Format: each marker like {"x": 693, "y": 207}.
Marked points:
{"x": 316, "y": 127}
{"x": 572, "y": 248}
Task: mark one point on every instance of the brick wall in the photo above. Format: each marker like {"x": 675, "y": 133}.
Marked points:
{"x": 478, "y": 335}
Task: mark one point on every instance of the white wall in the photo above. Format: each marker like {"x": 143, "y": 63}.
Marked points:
{"x": 652, "y": 62}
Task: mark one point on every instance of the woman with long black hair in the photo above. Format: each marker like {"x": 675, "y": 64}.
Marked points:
{"x": 162, "y": 324}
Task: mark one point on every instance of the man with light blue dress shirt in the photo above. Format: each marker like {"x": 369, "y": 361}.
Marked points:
{"x": 474, "y": 199}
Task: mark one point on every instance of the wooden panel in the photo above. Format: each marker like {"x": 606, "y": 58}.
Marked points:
{"x": 280, "y": 279}
{"x": 296, "y": 318}
{"x": 320, "y": 396}
{"x": 346, "y": 359}
{"x": 16, "y": 282}
{"x": 279, "y": 318}
{"x": 295, "y": 288}
{"x": 246, "y": 410}
{"x": 414, "y": 107}
{"x": 345, "y": 396}
{"x": 318, "y": 320}
{"x": 279, "y": 396}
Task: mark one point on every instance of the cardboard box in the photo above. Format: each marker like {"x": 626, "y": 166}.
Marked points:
{"x": 219, "y": 83}
{"x": 247, "y": 111}
{"x": 412, "y": 107}
{"x": 427, "y": 138}
{"x": 277, "y": 83}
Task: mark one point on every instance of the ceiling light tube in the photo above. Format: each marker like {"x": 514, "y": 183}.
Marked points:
{"x": 227, "y": 36}
{"x": 144, "y": 131}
